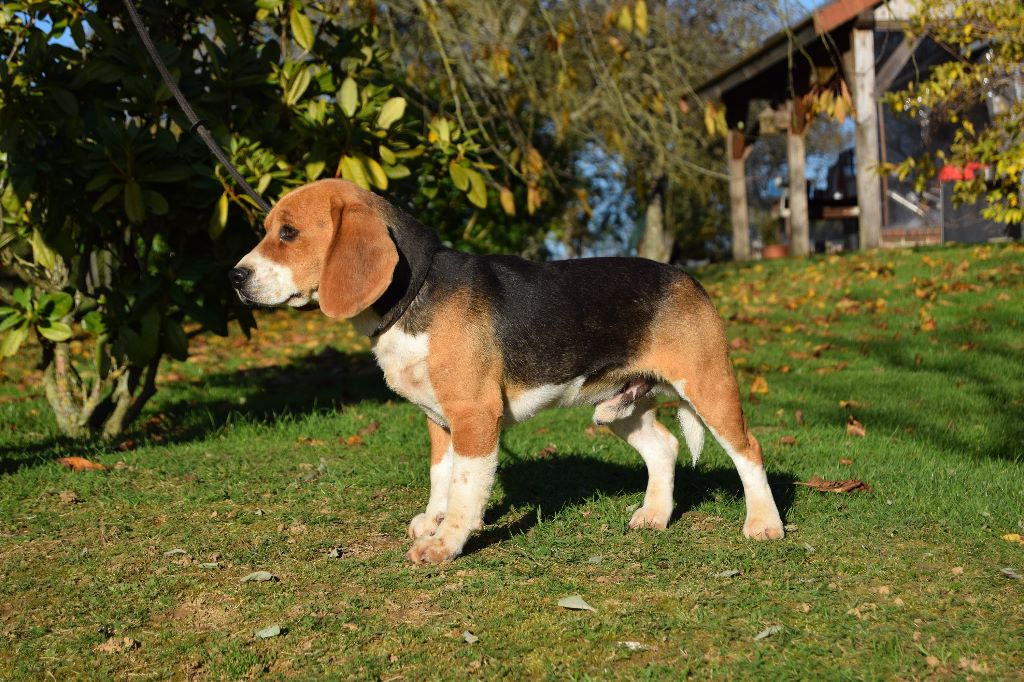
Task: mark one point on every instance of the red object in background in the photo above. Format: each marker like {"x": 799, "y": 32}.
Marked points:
{"x": 958, "y": 173}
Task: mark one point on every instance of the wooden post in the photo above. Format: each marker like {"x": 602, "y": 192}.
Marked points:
{"x": 736, "y": 155}
{"x": 796, "y": 155}
{"x": 869, "y": 192}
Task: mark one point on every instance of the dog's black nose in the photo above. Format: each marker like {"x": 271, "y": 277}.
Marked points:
{"x": 237, "y": 276}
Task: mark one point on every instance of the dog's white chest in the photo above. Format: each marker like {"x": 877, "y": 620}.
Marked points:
{"x": 403, "y": 357}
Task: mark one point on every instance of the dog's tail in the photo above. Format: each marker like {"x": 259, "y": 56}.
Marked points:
{"x": 693, "y": 430}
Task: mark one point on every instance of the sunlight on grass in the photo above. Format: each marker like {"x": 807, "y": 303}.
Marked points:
{"x": 269, "y": 454}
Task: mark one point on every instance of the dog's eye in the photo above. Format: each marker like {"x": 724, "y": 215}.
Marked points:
{"x": 288, "y": 233}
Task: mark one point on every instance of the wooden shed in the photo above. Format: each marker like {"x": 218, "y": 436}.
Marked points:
{"x": 839, "y": 38}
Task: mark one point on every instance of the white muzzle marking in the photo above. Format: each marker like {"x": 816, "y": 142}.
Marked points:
{"x": 270, "y": 283}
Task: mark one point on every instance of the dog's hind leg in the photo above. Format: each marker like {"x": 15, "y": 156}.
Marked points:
{"x": 658, "y": 447}
{"x": 689, "y": 350}
{"x": 716, "y": 400}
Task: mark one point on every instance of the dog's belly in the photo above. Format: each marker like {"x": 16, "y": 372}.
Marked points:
{"x": 520, "y": 405}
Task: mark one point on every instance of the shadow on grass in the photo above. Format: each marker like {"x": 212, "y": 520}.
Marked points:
{"x": 325, "y": 381}
{"x": 554, "y": 484}
{"x": 329, "y": 380}
{"x": 960, "y": 361}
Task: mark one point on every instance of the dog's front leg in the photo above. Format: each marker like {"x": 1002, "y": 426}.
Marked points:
{"x": 441, "y": 457}
{"x": 474, "y": 435}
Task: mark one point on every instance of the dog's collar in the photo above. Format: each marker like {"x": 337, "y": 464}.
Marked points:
{"x": 405, "y": 285}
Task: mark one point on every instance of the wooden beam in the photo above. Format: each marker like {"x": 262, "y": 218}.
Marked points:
{"x": 773, "y": 51}
{"x": 781, "y": 47}
{"x": 736, "y": 156}
{"x": 837, "y": 13}
{"x": 869, "y": 191}
{"x": 887, "y": 73}
{"x": 796, "y": 156}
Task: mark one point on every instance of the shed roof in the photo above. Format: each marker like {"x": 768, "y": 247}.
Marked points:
{"x": 765, "y": 65}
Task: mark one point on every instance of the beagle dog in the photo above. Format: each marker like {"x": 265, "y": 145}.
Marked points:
{"x": 482, "y": 342}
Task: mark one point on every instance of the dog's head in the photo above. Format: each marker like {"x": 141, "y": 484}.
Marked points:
{"x": 324, "y": 242}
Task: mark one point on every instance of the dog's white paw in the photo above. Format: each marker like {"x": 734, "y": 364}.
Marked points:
{"x": 764, "y": 528}
{"x": 650, "y": 517}
{"x": 425, "y": 524}
{"x": 432, "y": 550}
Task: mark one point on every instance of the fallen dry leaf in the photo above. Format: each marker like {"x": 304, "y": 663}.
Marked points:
{"x": 838, "y": 367}
{"x": 973, "y": 665}
{"x": 548, "y": 450}
{"x": 1014, "y": 537}
{"x": 369, "y": 428}
{"x": 787, "y": 440}
{"x": 117, "y": 645}
{"x": 768, "y": 632}
{"x": 80, "y": 464}
{"x": 1010, "y": 573}
{"x": 305, "y": 440}
{"x": 759, "y": 386}
{"x": 821, "y": 348}
{"x": 798, "y": 415}
{"x": 845, "y": 461}
{"x": 854, "y": 427}
{"x": 359, "y": 437}
{"x": 634, "y": 646}
{"x": 821, "y": 485}
{"x": 575, "y": 603}
{"x": 269, "y": 631}
{"x": 69, "y": 497}
{"x": 863, "y": 611}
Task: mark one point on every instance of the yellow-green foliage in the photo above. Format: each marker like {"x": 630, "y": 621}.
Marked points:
{"x": 987, "y": 38}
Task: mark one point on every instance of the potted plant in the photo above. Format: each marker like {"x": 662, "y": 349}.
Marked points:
{"x": 772, "y": 248}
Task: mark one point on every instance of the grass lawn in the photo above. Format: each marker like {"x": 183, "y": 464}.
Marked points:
{"x": 266, "y": 455}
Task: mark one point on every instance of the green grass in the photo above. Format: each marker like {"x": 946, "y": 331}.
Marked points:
{"x": 238, "y": 461}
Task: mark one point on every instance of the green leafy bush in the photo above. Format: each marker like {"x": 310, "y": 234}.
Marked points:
{"x": 116, "y": 221}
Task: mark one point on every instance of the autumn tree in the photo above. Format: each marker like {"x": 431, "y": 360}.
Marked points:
{"x": 547, "y": 84}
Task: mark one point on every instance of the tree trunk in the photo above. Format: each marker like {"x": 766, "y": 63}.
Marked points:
{"x": 107, "y": 405}
{"x": 655, "y": 243}
{"x": 61, "y": 387}
{"x": 737, "y": 151}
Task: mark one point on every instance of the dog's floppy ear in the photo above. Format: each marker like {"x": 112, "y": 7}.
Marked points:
{"x": 360, "y": 261}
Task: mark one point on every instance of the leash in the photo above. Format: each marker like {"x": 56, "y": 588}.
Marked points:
{"x": 199, "y": 126}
